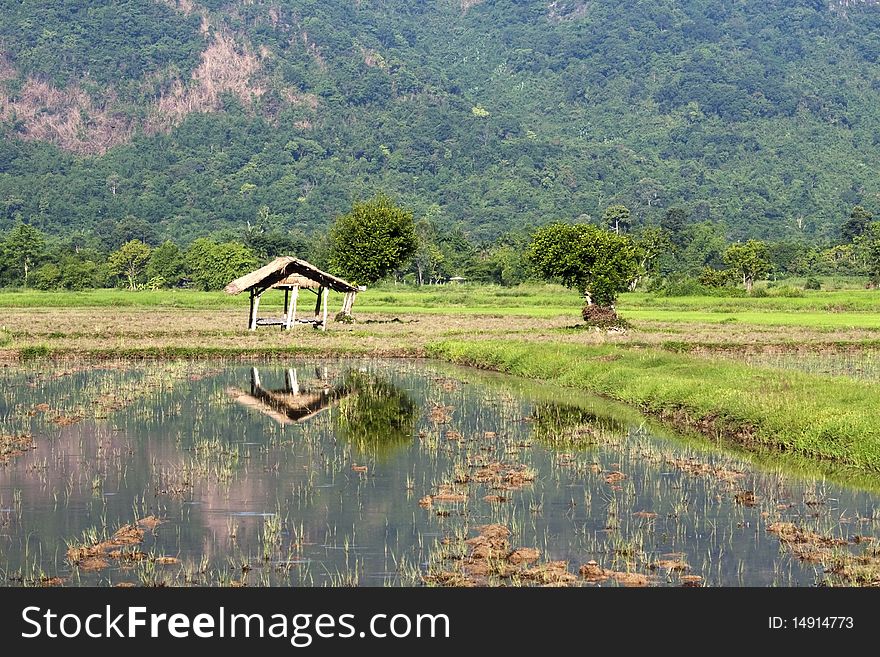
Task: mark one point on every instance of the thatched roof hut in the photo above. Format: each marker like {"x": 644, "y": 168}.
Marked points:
{"x": 291, "y": 275}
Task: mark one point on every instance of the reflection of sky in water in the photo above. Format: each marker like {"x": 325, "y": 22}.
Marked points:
{"x": 180, "y": 442}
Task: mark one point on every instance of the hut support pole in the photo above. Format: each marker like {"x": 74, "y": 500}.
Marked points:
{"x": 291, "y": 311}
{"x": 284, "y": 326}
{"x": 347, "y": 303}
{"x": 324, "y": 322}
{"x": 318, "y": 304}
{"x": 255, "y": 307}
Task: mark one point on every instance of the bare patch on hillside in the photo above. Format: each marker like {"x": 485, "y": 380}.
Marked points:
{"x": 225, "y": 68}
{"x": 81, "y": 123}
{"x": 373, "y": 58}
{"x": 67, "y": 117}
{"x": 183, "y": 6}
{"x": 467, "y": 4}
{"x": 843, "y": 5}
{"x": 313, "y": 51}
{"x": 567, "y": 10}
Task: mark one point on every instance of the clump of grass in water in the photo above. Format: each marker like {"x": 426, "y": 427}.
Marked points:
{"x": 33, "y": 352}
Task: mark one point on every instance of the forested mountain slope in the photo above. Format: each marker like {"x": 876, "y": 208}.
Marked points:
{"x": 194, "y": 115}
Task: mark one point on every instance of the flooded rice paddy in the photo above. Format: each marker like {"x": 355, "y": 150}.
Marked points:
{"x": 859, "y": 364}
{"x": 371, "y": 473}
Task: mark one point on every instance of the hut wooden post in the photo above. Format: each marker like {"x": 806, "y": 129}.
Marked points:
{"x": 255, "y": 380}
{"x": 255, "y": 308}
{"x": 292, "y": 383}
{"x": 284, "y": 326}
{"x": 291, "y": 312}
{"x": 347, "y": 303}
{"x": 324, "y": 321}
{"x": 318, "y": 304}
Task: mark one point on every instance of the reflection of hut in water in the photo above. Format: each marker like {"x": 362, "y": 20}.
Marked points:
{"x": 290, "y": 404}
{"x": 292, "y": 275}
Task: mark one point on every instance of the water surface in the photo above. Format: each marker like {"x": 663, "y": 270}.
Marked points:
{"x": 374, "y": 473}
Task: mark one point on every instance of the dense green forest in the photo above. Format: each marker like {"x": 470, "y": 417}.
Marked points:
{"x": 208, "y": 119}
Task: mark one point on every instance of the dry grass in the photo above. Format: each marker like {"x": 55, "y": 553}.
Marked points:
{"x": 125, "y": 331}
{"x": 15, "y": 445}
{"x": 487, "y": 559}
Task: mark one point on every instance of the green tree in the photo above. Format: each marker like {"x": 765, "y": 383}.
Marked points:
{"x": 79, "y": 272}
{"x": 750, "y": 260}
{"x": 47, "y": 277}
{"x": 23, "y": 248}
{"x": 374, "y": 239}
{"x": 674, "y": 222}
{"x": 213, "y": 265}
{"x": 167, "y": 262}
{"x": 617, "y": 218}
{"x": 596, "y": 262}
{"x": 856, "y": 224}
{"x": 651, "y": 242}
{"x": 704, "y": 245}
{"x": 870, "y": 245}
{"x": 428, "y": 262}
{"x": 130, "y": 261}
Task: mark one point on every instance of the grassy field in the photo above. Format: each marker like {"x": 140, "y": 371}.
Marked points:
{"x": 534, "y": 331}
{"x": 834, "y": 418}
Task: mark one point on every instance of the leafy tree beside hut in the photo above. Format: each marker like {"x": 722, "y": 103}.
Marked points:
{"x": 374, "y": 239}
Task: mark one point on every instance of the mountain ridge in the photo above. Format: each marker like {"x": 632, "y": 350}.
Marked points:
{"x": 495, "y": 115}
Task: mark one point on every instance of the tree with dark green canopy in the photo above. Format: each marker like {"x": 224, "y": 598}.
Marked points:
{"x": 749, "y": 260}
{"x": 871, "y": 243}
{"x": 130, "y": 261}
{"x": 673, "y": 222}
{"x": 856, "y": 224}
{"x": 167, "y": 263}
{"x": 374, "y": 239}
{"x": 617, "y": 218}
{"x": 22, "y": 248}
{"x": 596, "y": 262}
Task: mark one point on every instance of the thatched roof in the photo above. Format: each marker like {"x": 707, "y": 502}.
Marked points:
{"x": 299, "y": 281}
{"x": 282, "y": 268}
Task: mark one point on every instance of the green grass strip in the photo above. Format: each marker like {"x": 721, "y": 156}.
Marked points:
{"x": 818, "y": 416}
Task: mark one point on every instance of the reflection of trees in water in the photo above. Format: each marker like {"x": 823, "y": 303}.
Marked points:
{"x": 560, "y": 424}
{"x": 376, "y": 417}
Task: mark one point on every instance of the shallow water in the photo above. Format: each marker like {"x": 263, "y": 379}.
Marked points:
{"x": 312, "y": 473}
{"x": 862, "y": 364}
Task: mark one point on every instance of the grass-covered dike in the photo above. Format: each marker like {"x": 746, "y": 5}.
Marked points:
{"x": 819, "y": 416}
